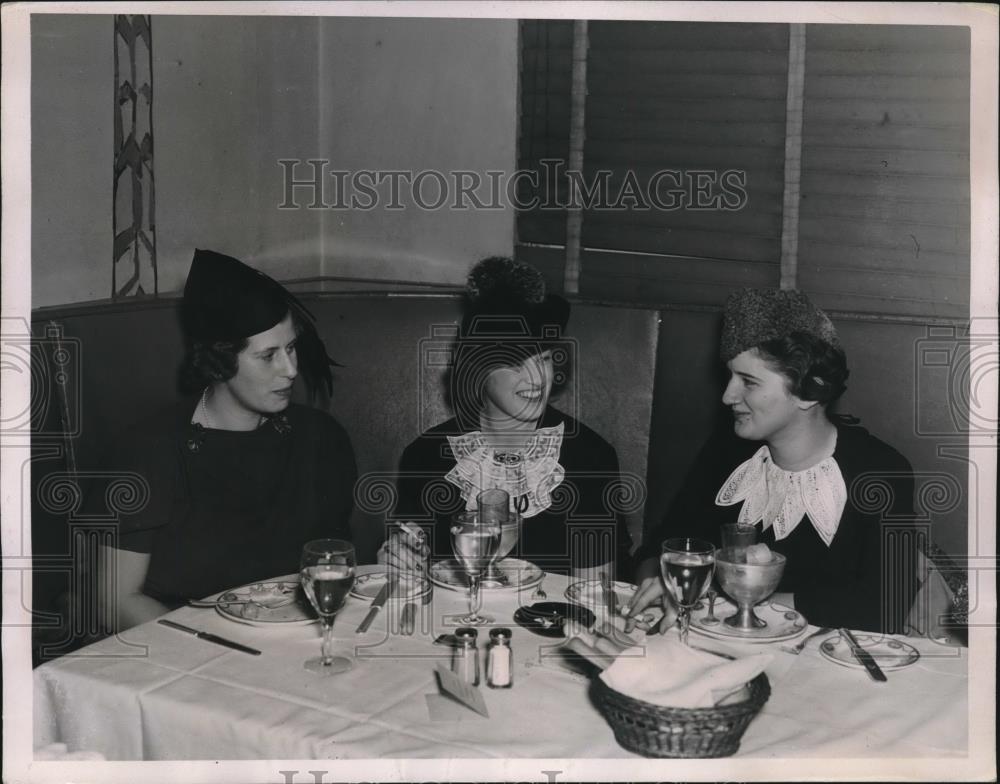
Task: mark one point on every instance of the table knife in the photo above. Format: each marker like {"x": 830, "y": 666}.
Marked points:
{"x": 609, "y": 595}
{"x": 208, "y": 637}
{"x": 376, "y": 604}
{"x": 863, "y": 656}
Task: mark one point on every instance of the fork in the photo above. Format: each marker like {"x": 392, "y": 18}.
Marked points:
{"x": 802, "y": 644}
{"x": 272, "y": 605}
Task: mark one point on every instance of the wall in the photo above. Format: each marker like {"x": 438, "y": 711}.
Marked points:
{"x": 72, "y": 148}
{"x": 233, "y": 95}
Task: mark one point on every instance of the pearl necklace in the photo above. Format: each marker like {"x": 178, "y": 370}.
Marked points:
{"x": 208, "y": 420}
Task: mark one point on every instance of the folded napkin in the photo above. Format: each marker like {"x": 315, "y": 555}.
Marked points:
{"x": 671, "y": 674}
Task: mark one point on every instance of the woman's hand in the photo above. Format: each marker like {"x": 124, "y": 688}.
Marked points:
{"x": 406, "y": 549}
{"x": 650, "y": 592}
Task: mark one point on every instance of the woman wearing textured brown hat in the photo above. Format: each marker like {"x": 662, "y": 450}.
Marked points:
{"x": 239, "y": 477}
{"x": 509, "y": 360}
{"x": 798, "y": 473}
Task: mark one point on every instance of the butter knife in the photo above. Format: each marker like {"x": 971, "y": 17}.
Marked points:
{"x": 376, "y": 605}
{"x": 863, "y": 656}
{"x": 209, "y": 637}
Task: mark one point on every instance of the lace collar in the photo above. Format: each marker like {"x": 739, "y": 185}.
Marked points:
{"x": 782, "y": 498}
{"x": 528, "y": 475}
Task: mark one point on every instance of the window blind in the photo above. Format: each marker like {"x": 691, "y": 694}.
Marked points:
{"x": 884, "y": 211}
{"x": 694, "y": 100}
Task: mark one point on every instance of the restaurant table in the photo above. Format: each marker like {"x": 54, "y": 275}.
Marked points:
{"x": 155, "y": 693}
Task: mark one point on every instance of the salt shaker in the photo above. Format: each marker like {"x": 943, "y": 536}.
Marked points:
{"x": 500, "y": 661}
{"x": 465, "y": 656}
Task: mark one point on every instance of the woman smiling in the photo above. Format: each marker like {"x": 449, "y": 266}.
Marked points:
{"x": 804, "y": 476}
{"x": 509, "y": 360}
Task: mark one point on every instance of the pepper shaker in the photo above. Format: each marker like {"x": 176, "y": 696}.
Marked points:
{"x": 465, "y": 656}
{"x": 500, "y": 660}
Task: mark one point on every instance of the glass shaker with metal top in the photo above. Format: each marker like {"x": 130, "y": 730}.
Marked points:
{"x": 500, "y": 660}
{"x": 465, "y": 655}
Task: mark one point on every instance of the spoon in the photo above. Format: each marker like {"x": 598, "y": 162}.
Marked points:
{"x": 538, "y": 592}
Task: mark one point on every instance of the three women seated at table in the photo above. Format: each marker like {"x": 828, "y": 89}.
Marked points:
{"x": 832, "y": 498}
{"x": 241, "y": 477}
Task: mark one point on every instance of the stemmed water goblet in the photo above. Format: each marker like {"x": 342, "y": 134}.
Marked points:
{"x": 687, "y": 566}
{"x": 475, "y": 543}
{"x": 326, "y": 570}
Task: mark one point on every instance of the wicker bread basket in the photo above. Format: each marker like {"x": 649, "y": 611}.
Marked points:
{"x": 658, "y": 731}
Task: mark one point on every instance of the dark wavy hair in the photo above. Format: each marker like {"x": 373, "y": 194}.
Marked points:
{"x": 474, "y": 360}
{"x": 207, "y": 363}
{"x": 813, "y": 369}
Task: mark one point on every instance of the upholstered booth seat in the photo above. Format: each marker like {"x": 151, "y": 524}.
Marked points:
{"x": 393, "y": 349}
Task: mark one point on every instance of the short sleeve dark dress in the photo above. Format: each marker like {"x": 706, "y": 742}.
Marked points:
{"x": 582, "y": 509}
{"x": 866, "y": 579}
{"x": 227, "y": 508}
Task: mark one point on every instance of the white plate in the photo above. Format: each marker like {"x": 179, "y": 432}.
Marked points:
{"x": 409, "y": 586}
{"x": 520, "y": 574}
{"x": 275, "y": 592}
{"x": 783, "y": 623}
{"x": 888, "y": 654}
{"x": 589, "y": 593}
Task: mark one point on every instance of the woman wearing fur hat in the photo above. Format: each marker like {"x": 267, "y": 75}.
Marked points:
{"x": 813, "y": 482}
{"x": 509, "y": 360}
{"x": 238, "y": 476}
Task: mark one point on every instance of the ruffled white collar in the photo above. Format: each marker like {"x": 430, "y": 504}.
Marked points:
{"x": 782, "y": 498}
{"x": 529, "y": 475}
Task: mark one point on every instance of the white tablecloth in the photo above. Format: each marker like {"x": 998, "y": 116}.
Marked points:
{"x": 155, "y": 693}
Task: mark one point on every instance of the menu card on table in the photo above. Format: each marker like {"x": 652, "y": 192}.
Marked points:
{"x": 464, "y": 692}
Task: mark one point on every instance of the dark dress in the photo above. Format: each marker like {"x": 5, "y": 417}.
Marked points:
{"x": 581, "y": 528}
{"x": 226, "y": 508}
{"x": 866, "y": 579}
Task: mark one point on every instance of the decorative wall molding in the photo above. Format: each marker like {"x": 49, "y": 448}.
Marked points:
{"x": 133, "y": 270}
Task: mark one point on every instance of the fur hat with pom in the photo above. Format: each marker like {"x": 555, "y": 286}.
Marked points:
{"x": 506, "y": 299}
{"x": 754, "y": 316}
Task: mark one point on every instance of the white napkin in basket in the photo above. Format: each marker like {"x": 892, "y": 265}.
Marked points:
{"x": 671, "y": 674}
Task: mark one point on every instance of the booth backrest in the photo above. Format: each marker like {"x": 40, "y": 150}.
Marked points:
{"x": 393, "y": 349}
{"x": 648, "y": 381}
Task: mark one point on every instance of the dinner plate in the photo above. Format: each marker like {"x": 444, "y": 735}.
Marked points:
{"x": 548, "y": 618}
{"x": 589, "y": 593}
{"x": 272, "y": 608}
{"x": 519, "y": 574}
{"x": 409, "y": 585}
{"x": 889, "y": 654}
{"x": 783, "y": 623}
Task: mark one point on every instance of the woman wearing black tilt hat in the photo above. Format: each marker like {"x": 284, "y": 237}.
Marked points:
{"x": 509, "y": 359}
{"x": 239, "y": 477}
{"x": 813, "y": 482}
